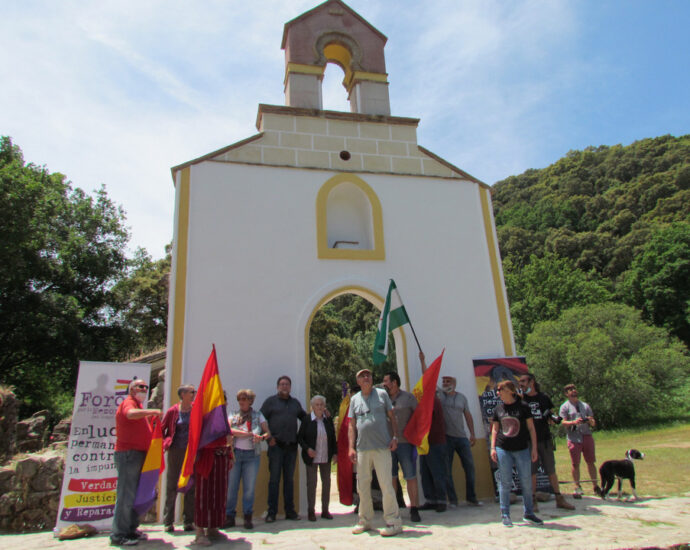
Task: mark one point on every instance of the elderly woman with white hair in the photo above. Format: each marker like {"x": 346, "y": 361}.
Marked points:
{"x": 317, "y": 439}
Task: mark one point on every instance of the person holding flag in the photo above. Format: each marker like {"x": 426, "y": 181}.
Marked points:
{"x": 370, "y": 448}
{"x": 434, "y": 463}
{"x": 176, "y": 433}
{"x": 209, "y": 456}
{"x": 133, "y": 440}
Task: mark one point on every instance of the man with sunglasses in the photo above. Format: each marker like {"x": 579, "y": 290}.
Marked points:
{"x": 175, "y": 428}
{"x": 133, "y": 438}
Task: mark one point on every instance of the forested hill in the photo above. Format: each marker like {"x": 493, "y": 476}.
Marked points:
{"x": 609, "y": 223}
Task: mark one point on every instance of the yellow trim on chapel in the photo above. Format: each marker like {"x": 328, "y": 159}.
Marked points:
{"x": 501, "y": 303}
{"x": 299, "y": 68}
{"x": 370, "y": 297}
{"x": 180, "y": 279}
{"x": 353, "y": 77}
{"x": 326, "y": 253}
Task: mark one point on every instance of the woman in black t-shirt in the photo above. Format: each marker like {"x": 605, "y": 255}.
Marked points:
{"x": 511, "y": 434}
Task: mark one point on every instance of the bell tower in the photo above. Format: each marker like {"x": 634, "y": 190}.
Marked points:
{"x": 333, "y": 33}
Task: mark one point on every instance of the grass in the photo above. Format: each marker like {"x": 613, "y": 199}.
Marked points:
{"x": 665, "y": 470}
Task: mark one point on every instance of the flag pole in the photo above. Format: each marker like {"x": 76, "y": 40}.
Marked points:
{"x": 410, "y": 322}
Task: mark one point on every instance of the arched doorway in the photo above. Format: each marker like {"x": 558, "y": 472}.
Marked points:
{"x": 355, "y": 352}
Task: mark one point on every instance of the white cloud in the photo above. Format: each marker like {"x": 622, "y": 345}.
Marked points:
{"x": 119, "y": 91}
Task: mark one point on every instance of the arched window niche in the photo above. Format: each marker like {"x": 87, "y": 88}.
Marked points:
{"x": 349, "y": 225}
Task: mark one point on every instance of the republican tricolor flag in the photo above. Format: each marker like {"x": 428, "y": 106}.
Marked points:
{"x": 208, "y": 419}
{"x": 154, "y": 464}
{"x": 417, "y": 429}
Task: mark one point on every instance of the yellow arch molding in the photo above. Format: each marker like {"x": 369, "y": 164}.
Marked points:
{"x": 370, "y": 297}
{"x": 326, "y": 253}
{"x": 501, "y": 304}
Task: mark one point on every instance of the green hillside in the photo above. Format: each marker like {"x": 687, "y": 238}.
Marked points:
{"x": 593, "y": 219}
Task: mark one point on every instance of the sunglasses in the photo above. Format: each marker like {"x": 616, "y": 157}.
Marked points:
{"x": 141, "y": 386}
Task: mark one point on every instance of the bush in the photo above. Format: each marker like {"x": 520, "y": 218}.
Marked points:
{"x": 631, "y": 373}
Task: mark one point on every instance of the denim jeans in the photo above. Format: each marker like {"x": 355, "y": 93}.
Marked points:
{"x": 523, "y": 463}
{"x": 125, "y": 519}
{"x": 281, "y": 460}
{"x": 460, "y": 445}
{"x": 434, "y": 469}
{"x": 246, "y": 468}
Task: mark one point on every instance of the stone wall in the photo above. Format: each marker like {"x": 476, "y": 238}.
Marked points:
{"x": 30, "y": 491}
{"x": 8, "y": 423}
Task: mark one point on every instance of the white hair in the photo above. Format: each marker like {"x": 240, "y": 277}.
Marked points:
{"x": 318, "y": 398}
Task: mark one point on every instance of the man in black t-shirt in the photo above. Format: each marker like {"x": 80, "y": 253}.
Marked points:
{"x": 541, "y": 406}
{"x": 282, "y": 411}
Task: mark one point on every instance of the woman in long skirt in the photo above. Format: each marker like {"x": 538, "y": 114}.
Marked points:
{"x": 211, "y": 478}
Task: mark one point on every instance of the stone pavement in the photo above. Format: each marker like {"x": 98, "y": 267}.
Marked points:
{"x": 595, "y": 524}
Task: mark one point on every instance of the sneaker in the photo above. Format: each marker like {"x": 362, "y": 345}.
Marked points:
{"x": 531, "y": 518}
{"x": 124, "y": 541}
{"x": 140, "y": 535}
{"x": 294, "y": 516}
{"x": 414, "y": 514}
{"x": 506, "y": 520}
{"x": 577, "y": 493}
{"x": 428, "y": 506}
{"x": 169, "y": 528}
{"x": 360, "y": 528}
{"x": 452, "y": 505}
{"x": 270, "y": 518}
{"x": 475, "y": 503}
{"x": 391, "y": 530}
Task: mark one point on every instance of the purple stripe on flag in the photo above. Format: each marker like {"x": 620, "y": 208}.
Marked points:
{"x": 146, "y": 492}
{"x": 214, "y": 425}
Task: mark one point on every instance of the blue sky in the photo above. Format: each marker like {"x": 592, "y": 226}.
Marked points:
{"x": 117, "y": 92}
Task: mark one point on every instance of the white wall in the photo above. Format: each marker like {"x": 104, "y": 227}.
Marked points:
{"x": 253, "y": 274}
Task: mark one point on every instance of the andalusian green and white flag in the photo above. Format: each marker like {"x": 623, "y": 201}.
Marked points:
{"x": 392, "y": 317}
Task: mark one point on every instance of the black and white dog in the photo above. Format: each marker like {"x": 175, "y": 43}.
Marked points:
{"x": 620, "y": 469}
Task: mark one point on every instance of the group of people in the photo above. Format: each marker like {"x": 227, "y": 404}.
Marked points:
{"x": 521, "y": 439}
{"x": 378, "y": 416}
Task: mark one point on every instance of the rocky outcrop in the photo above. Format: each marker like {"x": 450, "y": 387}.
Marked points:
{"x": 30, "y": 491}
{"x": 32, "y": 433}
{"x": 8, "y": 423}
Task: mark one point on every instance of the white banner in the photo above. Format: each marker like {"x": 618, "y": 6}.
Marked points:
{"x": 90, "y": 481}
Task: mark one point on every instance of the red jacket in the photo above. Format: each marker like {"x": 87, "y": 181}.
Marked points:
{"x": 169, "y": 424}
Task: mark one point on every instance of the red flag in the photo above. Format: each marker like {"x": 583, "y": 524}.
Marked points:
{"x": 344, "y": 462}
{"x": 208, "y": 419}
{"x": 417, "y": 429}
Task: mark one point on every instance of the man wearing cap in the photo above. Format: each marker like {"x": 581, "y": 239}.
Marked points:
{"x": 133, "y": 438}
{"x": 371, "y": 444}
{"x": 455, "y": 414}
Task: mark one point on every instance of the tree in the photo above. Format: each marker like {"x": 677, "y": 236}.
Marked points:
{"x": 62, "y": 251}
{"x": 658, "y": 281}
{"x": 140, "y": 301}
{"x": 544, "y": 288}
{"x": 341, "y": 341}
{"x": 629, "y": 371}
